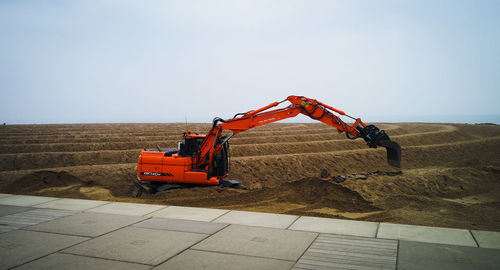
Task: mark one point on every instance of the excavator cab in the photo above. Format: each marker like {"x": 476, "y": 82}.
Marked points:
{"x": 191, "y": 144}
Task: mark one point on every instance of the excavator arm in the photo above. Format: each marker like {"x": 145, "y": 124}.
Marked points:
{"x": 214, "y": 140}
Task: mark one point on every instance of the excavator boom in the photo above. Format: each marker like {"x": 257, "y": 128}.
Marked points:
{"x": 316, "y": 110}
{"x": 202, "y": 159}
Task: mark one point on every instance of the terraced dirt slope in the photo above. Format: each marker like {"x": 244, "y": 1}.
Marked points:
{"x": 449, "y": 177}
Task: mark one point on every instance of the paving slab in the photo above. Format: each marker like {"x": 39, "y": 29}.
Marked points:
{"x": 71, "y": 204}
{"x": 428, "y": 256}
{"x": 487, "y": 239}
{"x": 335, "y": 226}
{"x": 196, "y": 259}
{"x": 181, "y": 225}
{"x": 18, "y": 247}
{"x": 61, "y": 261}
{"x": 189, "y": 213}
{"x": 138, "y": 245}
{"x": 258, "y": 241}
{"x": 131, "y": 209}
{"x": 426, "y": 234}
{"x": 257, "y": 219}
{"x": 12, "y": 209}
{"x": 349, "y": 252}
{"x": 25, "y": 200}
{"x": 3, "y": 195}
{"x": 86, "y": 224}
{"x": 30, "y": 217}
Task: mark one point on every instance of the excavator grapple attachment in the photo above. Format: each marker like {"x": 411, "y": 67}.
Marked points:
{"x": 393, "y": 151}
{"x": 375, "y": 137}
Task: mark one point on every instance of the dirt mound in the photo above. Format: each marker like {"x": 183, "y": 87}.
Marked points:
{"x": 431, "y": 182}
{"x": 299, "y": 197}
{"x": 41, "y": 180}
{"x": 320, "y": 193}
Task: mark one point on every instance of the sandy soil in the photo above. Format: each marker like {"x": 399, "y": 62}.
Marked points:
{"x": 450, "y": 173}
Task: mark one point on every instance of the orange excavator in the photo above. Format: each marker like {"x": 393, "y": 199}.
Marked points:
{"x": 203, "y": 159}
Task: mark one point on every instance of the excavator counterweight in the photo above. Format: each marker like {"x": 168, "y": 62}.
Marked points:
{"x": 203, "y": 159}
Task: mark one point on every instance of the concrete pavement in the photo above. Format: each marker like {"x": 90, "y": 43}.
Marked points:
{"x": 53, "y": 233}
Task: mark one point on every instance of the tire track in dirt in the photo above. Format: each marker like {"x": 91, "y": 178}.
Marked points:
{"x": 259, "y": 131}
{"x": 62, "y": 159}
{"x": 168, "y": 142}
{"x": 38, "y": 160}
{"x": 269, "y": 170}
{"x": 130, "y": 129}
{"x": 157, "y": 135}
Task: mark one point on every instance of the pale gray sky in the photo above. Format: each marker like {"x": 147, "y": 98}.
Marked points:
{"x": 161, "y": 61}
